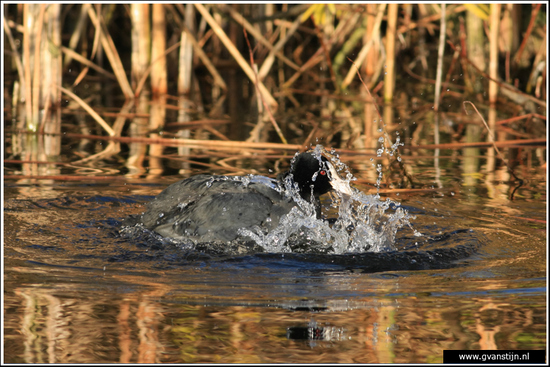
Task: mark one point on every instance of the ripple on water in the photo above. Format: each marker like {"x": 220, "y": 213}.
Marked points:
{"x": 365, "y": 232}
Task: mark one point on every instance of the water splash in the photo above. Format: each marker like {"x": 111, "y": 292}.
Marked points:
{"x": 365, "y": 223}
{"x": 351, "y": 223}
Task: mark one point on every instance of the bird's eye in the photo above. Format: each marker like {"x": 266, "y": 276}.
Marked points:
{"x": 323, "y": 172}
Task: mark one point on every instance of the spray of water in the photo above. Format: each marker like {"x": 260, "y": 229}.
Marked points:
{"x": 365, "y": 223}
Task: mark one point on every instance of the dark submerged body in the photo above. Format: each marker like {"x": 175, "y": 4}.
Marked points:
{"x": 207, "y": 208}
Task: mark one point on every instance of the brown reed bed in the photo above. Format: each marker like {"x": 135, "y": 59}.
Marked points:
{"x": 345, "y": 75}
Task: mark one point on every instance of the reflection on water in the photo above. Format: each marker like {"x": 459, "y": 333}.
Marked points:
{"x": 77, "y": 293}
{"x": 152, "y": 323}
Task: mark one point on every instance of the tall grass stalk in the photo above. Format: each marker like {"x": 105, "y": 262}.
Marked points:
{"x": 53, "y": 70}
{"x": 141, "y": 41}
{"x": 159, "y": 84}
{"x": 185, "y": 77}
{"x": 389, "y": 75}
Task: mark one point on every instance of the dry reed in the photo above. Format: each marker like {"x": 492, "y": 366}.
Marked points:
{"x": 290, "y": 47}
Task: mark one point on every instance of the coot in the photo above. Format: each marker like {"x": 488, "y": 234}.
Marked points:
{"x": 206, "y": 208}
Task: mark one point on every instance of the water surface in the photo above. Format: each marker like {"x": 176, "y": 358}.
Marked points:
{"x": 76, "y": 292}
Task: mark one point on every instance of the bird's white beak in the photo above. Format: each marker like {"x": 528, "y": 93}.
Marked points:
{"x": 337, "y": 182}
